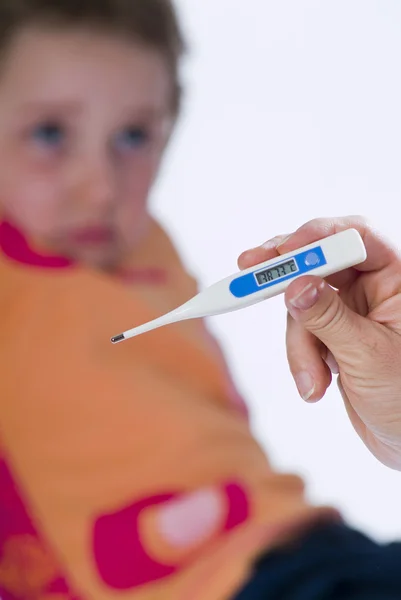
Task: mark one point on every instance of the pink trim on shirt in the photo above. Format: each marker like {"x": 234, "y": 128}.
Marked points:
{"x": 15, "y": 246}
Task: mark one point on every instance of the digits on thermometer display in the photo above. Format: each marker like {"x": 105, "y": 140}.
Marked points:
{"x": 322, "y": 258}
{"x": 276, "y": 272}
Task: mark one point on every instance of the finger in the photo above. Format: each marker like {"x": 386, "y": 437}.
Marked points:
{"x": 380, "y": 252}
{"x": 343, "y": 279}
{"x": 260, "y": 254}
{"x": 272, "y": 249}
{"x": 319, "y": 229}
{"x": 319, "y": 308}
{"x": 331, "y": 362}
{"x": 304, "y": 352}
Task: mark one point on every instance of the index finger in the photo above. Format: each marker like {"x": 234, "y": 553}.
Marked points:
{"x": 381, "y": 253}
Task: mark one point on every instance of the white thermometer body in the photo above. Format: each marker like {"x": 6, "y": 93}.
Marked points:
{"x": 323, "y": 258}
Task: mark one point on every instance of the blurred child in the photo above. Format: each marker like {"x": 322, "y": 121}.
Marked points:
{"x": 125, "y": 472}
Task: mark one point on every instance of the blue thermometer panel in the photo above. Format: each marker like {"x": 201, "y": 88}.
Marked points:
{"x": 282, "y": 270}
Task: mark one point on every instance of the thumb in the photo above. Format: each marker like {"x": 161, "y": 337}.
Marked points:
{"x": 312, "y": 302}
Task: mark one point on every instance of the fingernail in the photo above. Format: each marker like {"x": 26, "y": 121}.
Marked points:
{"x": 306, "y": 297}
{"x": 305, "y": 385}
{"x": 275, "y": 242}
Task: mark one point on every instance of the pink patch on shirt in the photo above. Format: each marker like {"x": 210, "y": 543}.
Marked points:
{"x": 121, "y": 556}
{"x": 191, "y": 519}
{"x": 15, "y": 246}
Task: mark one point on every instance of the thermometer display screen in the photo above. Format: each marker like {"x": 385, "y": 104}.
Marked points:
{"x": 277, "y": 272}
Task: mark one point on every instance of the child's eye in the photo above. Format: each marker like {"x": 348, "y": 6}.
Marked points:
{"x": 49, "y": 134}
{"x": 132, "y": 138}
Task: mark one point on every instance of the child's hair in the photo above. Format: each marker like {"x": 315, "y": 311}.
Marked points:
{"x": 151, "y": 22}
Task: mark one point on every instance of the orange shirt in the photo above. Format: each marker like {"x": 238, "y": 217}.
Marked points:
{"x": 126, "y": 472}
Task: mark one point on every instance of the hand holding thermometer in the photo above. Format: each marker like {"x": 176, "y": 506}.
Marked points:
{"x": 323, "y": 258}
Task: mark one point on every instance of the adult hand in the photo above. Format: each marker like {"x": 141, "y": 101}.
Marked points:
{"x": 350, "y": 325}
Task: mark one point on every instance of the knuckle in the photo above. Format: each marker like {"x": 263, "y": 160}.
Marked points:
{"x": 361, "y": 220}
{"x": 321, "y": 225}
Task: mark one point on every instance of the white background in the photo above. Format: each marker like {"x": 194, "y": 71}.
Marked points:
{"x": 292, "y": 112}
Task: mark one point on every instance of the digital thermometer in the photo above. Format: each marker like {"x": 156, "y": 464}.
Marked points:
{"x": 323, "y": 258}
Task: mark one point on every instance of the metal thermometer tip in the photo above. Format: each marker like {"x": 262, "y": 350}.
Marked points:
{"x": 118, "y": 338}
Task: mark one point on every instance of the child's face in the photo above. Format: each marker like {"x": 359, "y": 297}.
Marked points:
{"x": 84, "y": 119}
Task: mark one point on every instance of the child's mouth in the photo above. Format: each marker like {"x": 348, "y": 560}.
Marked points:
{"x": 95, "y": 235}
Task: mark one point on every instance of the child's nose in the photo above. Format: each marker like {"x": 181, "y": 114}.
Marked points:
{"x": 97, "y": 184}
